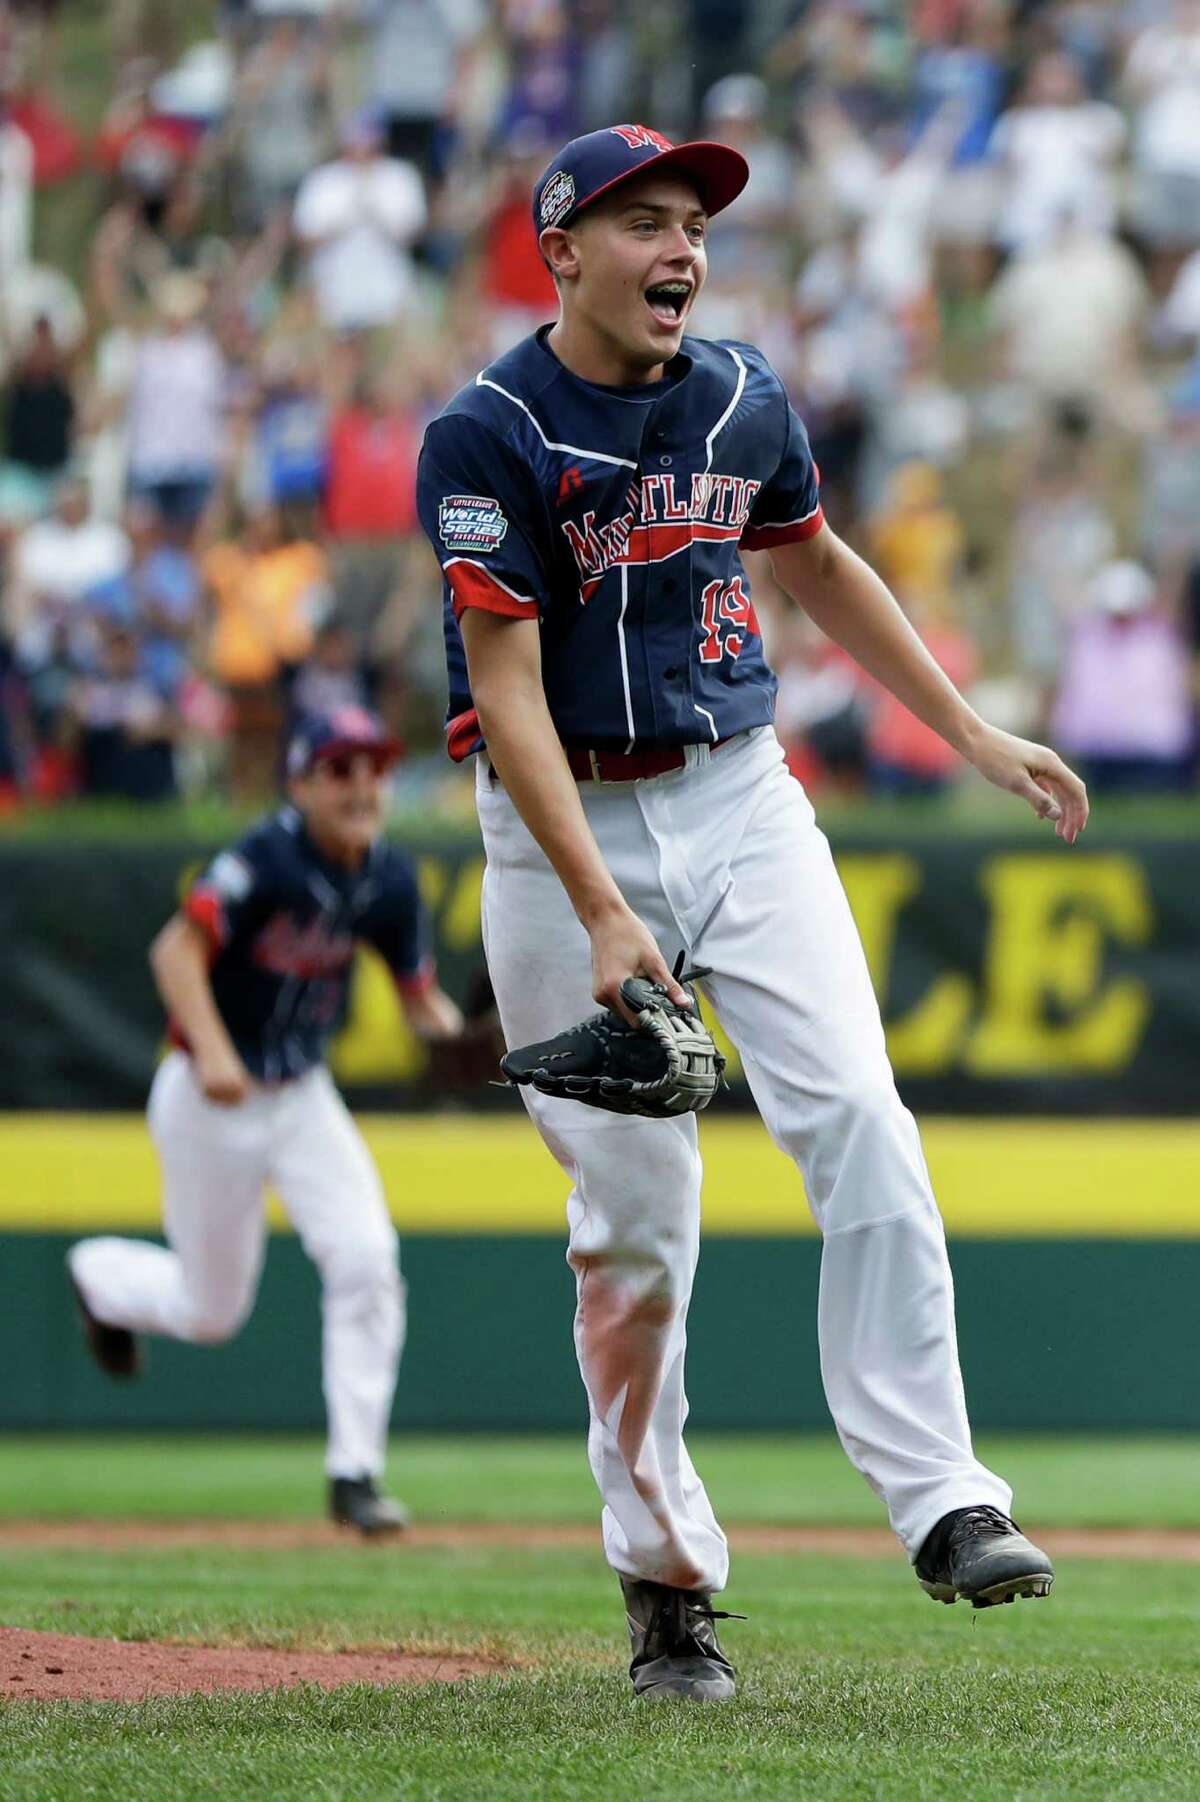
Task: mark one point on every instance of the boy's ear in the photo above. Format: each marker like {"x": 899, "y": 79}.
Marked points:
{"x": 561, "y": 251}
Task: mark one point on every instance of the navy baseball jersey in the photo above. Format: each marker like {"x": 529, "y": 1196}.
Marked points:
{"x": 283, "y": 922}
{"x": 614, "y": 517}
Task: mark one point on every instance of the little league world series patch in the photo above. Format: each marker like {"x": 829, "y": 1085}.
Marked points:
{"x": 558, "y": 197}
{"x": 231, "y": 876}
{"x": 471, "y": 522}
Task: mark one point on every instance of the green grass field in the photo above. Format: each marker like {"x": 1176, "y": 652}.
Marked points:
{"x": 853, "y": 1685}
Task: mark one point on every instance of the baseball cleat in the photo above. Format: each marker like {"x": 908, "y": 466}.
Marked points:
{"x": 356, "y": 1502}
{"x": 981, "y": 1555}
{"x": 675, "y": 1647}
{"x": 114, "y": 1347}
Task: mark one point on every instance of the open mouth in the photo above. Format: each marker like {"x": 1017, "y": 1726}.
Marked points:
{"x": 668, "y": 301}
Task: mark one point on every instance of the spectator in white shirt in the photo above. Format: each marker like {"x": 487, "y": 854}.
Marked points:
{"x": 55, "y": 564}
{"x": 176, "y": 407}
{"x": 1162, "y": 78}
{"x": 358, "y": 218}
{"x": 1055, "y": 150}
{"x": 1070, "y": 315}
{"x": 16, "y": 200}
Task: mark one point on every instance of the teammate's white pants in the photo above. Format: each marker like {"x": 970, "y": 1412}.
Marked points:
{"x": 724, "y": 860}
{"x": 216, "y": 1162}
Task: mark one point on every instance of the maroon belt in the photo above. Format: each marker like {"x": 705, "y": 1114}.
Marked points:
{"x": 627, "y": 766}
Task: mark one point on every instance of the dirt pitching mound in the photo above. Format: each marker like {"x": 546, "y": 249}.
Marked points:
{"x": 1167, "y": 1545}
{"x": 55, "y": 1667}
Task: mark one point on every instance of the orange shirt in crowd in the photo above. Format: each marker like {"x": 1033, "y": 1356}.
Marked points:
{"x": 265, "y": 609}
{"x": 917, "y": 540}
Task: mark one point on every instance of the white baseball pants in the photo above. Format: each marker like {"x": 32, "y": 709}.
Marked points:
{"x": 724, "y": 860}
{"x": 216, "y": 1163}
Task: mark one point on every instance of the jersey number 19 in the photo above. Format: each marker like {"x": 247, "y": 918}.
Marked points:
{"x": 726, "y": 614}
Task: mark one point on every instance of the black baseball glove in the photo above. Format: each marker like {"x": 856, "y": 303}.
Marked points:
{"x": 667, "y": 1064}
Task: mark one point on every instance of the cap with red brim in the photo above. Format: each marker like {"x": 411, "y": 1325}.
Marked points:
{"x": 600, "y": 161}
{"x": 343, "y": 733}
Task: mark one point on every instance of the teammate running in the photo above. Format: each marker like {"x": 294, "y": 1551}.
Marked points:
{"x": 588, "y": 495}
{"x": 253, "y": 971}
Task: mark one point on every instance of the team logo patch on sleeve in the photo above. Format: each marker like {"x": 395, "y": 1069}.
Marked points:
{"x": 471, "y": 522}
{"x": 558, "y": 197}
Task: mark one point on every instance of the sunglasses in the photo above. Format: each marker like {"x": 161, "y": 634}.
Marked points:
{"x": 342, "y": 765}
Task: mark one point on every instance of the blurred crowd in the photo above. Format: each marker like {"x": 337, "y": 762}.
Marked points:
{"x": 970, "y": 245}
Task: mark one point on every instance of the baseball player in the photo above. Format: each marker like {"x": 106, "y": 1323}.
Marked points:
{"x": 588, "y": 496}
{"x": 253, "y": 971}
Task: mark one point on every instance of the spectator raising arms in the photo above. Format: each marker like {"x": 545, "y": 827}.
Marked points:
{"x": 176, "y": 407}
{"x": 357, "y": 218}
{"x": 281, "y": 110}
{"x": 1056, "y": 150}
{"x": 969, "y": 245}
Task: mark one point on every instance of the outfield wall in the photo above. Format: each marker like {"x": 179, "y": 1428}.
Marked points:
{"x": 1013, "y": 975}
{"x": 1076, "y": 1251}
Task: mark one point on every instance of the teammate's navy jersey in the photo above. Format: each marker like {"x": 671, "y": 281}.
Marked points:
{"x": 283, "y": 922}
{"x": 615, "y": 517}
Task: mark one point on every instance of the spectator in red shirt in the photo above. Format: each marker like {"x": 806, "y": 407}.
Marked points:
{"x": 371, "y": 488}
{"x": 370, "y": 509}
{"x": 515, "y": 282}
{"x": 132, "y": 129}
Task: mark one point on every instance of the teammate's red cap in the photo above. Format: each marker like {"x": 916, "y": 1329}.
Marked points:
{"x": 589, "y": 166}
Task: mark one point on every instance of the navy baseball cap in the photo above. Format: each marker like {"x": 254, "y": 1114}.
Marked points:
{"x": 589, "y": 166}
{"x": 339, "y": 734}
